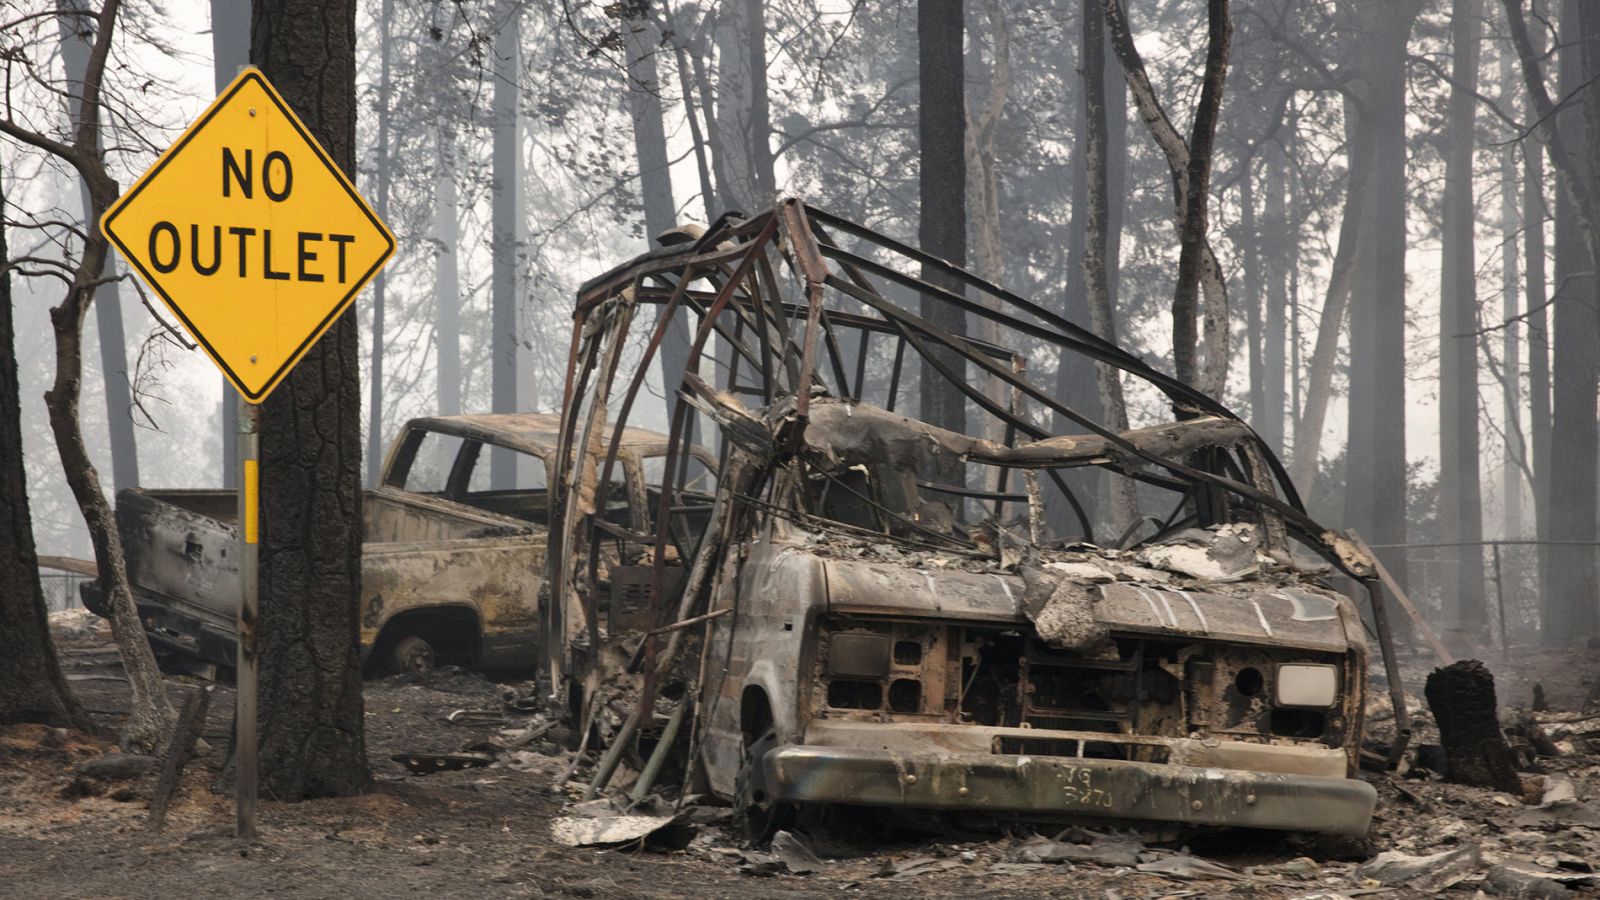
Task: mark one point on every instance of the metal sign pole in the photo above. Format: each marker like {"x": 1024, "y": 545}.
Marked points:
{"x": 342, "y": 245}
{"x": 244, "y": 717}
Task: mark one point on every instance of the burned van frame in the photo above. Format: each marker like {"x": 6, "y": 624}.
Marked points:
{"x": 812, "y": 314}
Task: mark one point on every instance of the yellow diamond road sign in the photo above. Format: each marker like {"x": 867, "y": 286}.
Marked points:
{"x": 251, "y": 234}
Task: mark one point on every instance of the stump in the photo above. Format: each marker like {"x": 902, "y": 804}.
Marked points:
{"x": 1461, "y": 696}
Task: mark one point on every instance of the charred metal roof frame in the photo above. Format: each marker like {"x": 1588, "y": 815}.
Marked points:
{"x": 787, "y": 292}
{"x": 535, "y": 433}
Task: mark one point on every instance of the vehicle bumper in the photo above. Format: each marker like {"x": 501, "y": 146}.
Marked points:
{"x": 1069, "y": 786}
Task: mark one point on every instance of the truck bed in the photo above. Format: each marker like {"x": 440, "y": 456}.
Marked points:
{"x": 180, "y": 544}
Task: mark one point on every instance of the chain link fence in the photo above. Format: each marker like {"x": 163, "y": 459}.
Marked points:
{"x": 1511, "y": 585}
{"x": 61, "y": 588}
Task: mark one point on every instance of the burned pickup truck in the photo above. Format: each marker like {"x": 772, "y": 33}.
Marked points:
{"x": 911, "y": 608}
{"x": 452, "y": 563}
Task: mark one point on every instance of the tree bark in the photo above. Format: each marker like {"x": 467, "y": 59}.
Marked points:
{"x": 446, "y": 276}
{"x": 942, "y": 226}
{"x": 1535, "y": 214}
{"x": 1196, "y": 195}
{"x": 1280, "y": 252}
{"x": 504, "y": 182}
{"x": 1571, "y": 588}
{"x": 150, "y": 715}
{"x": 377, "y": 438}
{"x": 1203, "y": 267}
{"x": 1462, "y": 698}
{"x": 743, "y": 153}
{"x": 32, "y": 688}
{"x": 1124, "y": 498}
{"x": 983, "y": 199}
{"x": 1297, "y": 215}
{"x": 312, "y": 742}
{"x": 77, "y": 38}
{"x": 1249, "y": 243}
{"x": 642, "y": 43}
{"x": 1077, "y": 382}
{"x": 687, "y": 82}
{"x": 1375, "y": 463}
{"x": 1335, "y": 303}
{"x": 230, "y": 51}
{"x": 1515, "y": 461}
{"x": 1460, "y": 502}
{"x": 1567, "y": 569}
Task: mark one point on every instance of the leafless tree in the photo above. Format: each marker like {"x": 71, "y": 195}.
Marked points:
{"x": 151, "y": 716}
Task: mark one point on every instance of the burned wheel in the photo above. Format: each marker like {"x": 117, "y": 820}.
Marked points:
{"x": 411, "y": 654}
{"x": 755, "y": 814}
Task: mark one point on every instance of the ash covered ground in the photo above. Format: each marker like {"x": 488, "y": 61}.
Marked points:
{"x": 73, "y": 817}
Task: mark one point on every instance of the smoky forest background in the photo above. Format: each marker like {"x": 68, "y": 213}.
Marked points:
{"x": 1383, "y": 215}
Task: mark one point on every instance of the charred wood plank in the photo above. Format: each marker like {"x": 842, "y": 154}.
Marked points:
{"x": 190, "y": 720}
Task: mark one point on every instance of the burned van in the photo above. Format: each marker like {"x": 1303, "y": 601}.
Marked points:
{"x": 924, "y": 580}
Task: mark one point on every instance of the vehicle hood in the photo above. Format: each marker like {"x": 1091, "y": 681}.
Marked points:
{"x": 1257, "y": 611}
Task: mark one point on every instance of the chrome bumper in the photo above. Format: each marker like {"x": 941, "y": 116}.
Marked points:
{"x": 1069, "y": 786}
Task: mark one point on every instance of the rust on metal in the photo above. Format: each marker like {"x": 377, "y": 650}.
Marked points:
{"x": 849, "y": 628}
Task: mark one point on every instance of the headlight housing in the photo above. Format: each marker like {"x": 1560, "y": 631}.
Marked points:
{"x": 1307, "y": 685}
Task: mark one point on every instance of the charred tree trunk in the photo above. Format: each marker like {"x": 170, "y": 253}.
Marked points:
{"x": 1515, "y": 461}
{"x": 1460, "y": 503}
{"x": 759, "y": 136}
{"x": 1279, "y": 251}
{"x": 1335, "y": 304}
{"x": 1567, "y": 568}
{"x": 1124, "y": 498}
{"x": 691, "y": 88}
{"x": 1077, "y": 382}
{"x": 150, "y": 715}
{"x": 1535, "y": 213}
{"x": 377, "y": 439}
{"x": 742, "y": 155}
{"x": 942, "y": 228}
{"x": 446, "y": 277}
{"x": 32, "y": 688}
{"x": 1297, "y": 215}
{"x": 1461, "y": 696}
{"x": 1196, "y": 197}
{"x": 311, "y": 719}
{"x": 1375, "y": 464}
{"x": 1202, "y": 269}
{"x": 1249, "y": 243}
{"x": 1569, "y": 591}
{"x": 642, "y": 43}
{"x": 230, "y": 51}
{"x": 983, "y": 200}
{"x": 507, "y": 176}
{"x": 77, "y": 40}
{"x": 1535, "y": 217}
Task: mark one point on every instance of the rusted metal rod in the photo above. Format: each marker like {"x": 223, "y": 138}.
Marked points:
{"x": 663, "y": 749}
{"x": 608, "y": 763}
{"x": 676, "y": 626}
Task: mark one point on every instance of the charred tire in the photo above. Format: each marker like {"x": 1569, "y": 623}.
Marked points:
{"x": 410, "y": 654}
{"x": 756, "y": 816}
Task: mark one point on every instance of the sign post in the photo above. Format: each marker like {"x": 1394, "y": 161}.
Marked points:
{"x": 247, "y": 665}
{"x": 257, "y": 243}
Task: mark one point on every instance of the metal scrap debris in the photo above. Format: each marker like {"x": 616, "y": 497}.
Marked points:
{"x": 605, "y": 831}
{"x": 1106, "y": 851}
{"x": 1434, "y": 872}
{"x": 429, "y": 763}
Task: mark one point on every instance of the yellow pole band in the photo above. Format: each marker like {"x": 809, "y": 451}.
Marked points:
{"x": 252, "y": 500}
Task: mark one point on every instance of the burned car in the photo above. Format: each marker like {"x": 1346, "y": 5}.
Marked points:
{"x": 454, "y": 546}
{"x": 879, "y": 609}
